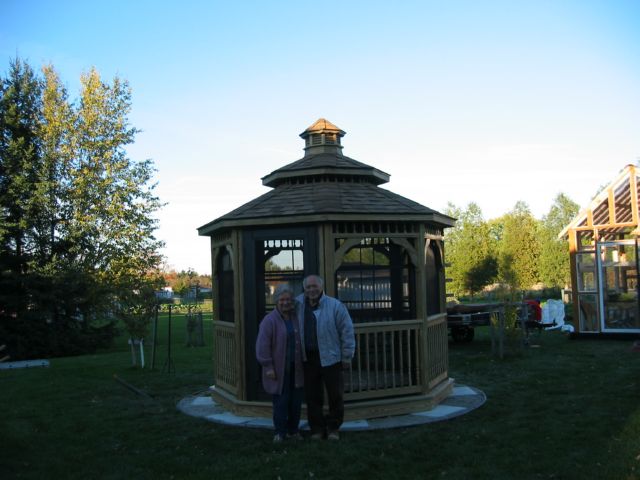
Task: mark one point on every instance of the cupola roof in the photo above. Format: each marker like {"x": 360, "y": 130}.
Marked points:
{"x": 323, "y": 158}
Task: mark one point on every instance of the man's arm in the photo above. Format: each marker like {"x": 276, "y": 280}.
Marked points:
{"x": 345, "y": 331}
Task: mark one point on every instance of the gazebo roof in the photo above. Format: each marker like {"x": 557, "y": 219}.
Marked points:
{"x": 325, "y": 185}
{"x": 325, "y": 164}
{"x": 613, "y": 211}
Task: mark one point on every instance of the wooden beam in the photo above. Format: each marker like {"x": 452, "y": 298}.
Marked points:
{"x": 612, "y": 207}
{"x": 573, "y": 248}
{"x": 604, "y": 226}
{"x": 633, "y": 192}
{"x": 589, "y": 217}
{"x": 340, "y": 253}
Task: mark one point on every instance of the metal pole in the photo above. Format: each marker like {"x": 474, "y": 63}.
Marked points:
{"x": 154, "y": 337}
{"x": 168, "y": 364}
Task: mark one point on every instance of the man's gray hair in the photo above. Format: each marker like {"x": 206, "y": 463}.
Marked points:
{"x": 282, "y": 289}
{"x": 317, "y": 277}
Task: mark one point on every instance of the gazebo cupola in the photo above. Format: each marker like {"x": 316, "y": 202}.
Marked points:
{"x": 324, "y": 162}
{"x": 322, "y": 137}
{"x": 381, "y": 254}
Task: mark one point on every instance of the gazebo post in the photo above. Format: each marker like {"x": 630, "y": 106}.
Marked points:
{"x": 327, "y": 258}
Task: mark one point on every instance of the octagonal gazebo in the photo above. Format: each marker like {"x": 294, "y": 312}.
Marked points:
{"x": 379, "y": 253}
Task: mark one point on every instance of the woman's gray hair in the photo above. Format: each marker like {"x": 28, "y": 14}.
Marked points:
{"x": 281, "y": 289}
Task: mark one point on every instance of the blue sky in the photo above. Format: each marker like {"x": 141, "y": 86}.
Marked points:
{"x": 459, "y": 101}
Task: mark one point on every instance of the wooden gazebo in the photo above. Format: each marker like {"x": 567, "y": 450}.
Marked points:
{"x": 603, "y": 245}
{"x": 380, "y": 253}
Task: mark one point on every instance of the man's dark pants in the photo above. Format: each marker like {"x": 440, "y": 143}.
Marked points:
{"x": 316, "y": 379}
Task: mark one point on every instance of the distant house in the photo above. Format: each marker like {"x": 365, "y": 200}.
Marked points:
{"x": 603, "y": 246}
{"x": 166, "y": 292}
{"x": 201, "y": 292}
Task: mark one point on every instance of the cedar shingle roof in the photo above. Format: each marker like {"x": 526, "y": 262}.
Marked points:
{"x": 314, "y": 198}
{"x": 326, "y": 184}
{"x": 325, "y": 163}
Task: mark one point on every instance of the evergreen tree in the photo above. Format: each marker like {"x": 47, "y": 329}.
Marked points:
{"x": 554, "y": 264}
{"x": 20, "y": 161}
{"x": 519, "y": 248}
{"x": 469, "y": 251}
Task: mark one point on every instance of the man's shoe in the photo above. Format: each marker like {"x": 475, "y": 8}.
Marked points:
{"x": 316, "y": 436}
{"x": 277, "y": 438}
{"x": 296, "y": 437}
{"x": 333, "y": 436}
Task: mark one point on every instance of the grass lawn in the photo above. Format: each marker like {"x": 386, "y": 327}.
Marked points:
{"x": 561, "y": 410}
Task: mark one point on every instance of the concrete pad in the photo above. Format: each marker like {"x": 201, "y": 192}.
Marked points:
{"x": 459, "y": 391}
{"x": 440, "y": 411}
{"x": 354, "y": 425}
{"x": 202, "y": 401}
{"x": 23, "y": 364}
{"x": 462, "y": 400}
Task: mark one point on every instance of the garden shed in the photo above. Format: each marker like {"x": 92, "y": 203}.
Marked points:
{"x": 603, "y": 248}
{"x": 380, "y": 253}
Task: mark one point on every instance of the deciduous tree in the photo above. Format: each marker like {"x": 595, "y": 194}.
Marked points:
{"x": 77, "y": 216}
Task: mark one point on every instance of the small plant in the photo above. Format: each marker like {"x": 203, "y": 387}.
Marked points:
{"x": 136, "y": 309}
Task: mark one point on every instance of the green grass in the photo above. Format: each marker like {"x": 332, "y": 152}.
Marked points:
{"x": 562, "y": 410}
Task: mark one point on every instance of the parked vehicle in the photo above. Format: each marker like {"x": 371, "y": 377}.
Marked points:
{"x": 463, "y": 318}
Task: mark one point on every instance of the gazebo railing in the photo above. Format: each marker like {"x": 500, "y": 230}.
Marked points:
{"x": 390, "y": 358}
{"x": 226, "y": 368}
{"x": 386, "y": 360}
{"x": 437, "y": 349}
{"x": 400, "y": 357}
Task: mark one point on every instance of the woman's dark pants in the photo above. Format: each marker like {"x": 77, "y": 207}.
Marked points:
{"x": 286, "y": 406}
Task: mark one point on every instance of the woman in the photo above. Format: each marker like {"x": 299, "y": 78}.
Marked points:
{"x": 279, "y": 351}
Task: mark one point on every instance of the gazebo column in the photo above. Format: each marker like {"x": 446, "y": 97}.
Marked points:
{"x": 421, "y": 306}
{"x": 421, "y": 275}
{"x": 239, "y": 309}
{"x": 327, "y": 257}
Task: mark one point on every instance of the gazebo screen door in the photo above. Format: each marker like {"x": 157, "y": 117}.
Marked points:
{"x": 272, "y": 257}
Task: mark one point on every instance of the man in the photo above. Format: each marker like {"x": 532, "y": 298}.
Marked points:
{"x": 328, "y": 345}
